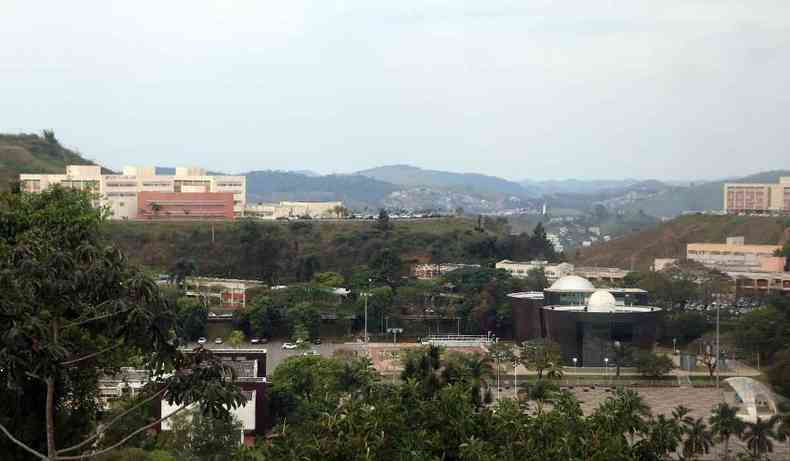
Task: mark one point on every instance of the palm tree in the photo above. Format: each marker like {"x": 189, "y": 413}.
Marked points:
{"x": 698, "y": 438}
{"x": 542, "y": 391}
{"x": 724, "y": 423}
{"x": 554, "y": 370}
{"x": 758, "y": 435}
{"x": 680, "y": 413}
{"x": 631, "y": 411}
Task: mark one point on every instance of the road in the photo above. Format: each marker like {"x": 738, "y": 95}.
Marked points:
{"x": 276, "y": 354}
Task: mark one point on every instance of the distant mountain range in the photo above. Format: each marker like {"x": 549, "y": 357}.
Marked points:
{"x": 469, "y": 183}
{"x": 355, "y": 191}
{"x": 409, "y": 187}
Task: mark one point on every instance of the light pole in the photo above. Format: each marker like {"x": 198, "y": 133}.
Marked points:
{"x": 576, "y": 369}
{"x": 606, "y": 369}
{"x": 370, "y": 282}
{"x": 717, "y": 343}
{"x": 515, "y": 379}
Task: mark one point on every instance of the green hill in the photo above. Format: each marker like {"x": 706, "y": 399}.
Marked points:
{"x": 410, "y": 176}
{"x": 33, "y": 153}
{"x": 669, "y": 239}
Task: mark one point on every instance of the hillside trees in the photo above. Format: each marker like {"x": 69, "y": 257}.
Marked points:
{"x": 73, "y": 307}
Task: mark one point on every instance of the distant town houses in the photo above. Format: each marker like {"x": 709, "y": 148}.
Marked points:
{"x": 758, "y": 198}
{"x": 294, "y": 210}
{"x": 141, "y": 193}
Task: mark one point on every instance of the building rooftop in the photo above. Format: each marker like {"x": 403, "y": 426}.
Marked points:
{"x": 527, "y": 295}
{"x": 572, "y": 283}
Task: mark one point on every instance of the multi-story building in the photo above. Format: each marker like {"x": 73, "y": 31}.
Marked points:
{"x": 758, "y": 198}
{"x": 229, "y": 293}
{"x": 431, "y": 271}
{"x": 284, "y": 210}
{"x": 140, "y": 193}
{"x": 250, "y": 368}
{"x": 736, "y": 256}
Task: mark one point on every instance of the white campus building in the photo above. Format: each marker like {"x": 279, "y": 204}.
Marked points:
{"x": 119, "y": 192}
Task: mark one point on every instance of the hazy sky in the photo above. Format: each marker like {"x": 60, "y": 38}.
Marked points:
{"x": 520, "y": 89}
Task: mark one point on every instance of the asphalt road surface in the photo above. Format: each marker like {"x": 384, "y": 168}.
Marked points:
{"x": 276, "y": 354}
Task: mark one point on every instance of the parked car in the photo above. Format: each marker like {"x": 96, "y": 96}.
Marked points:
{"x": 317, "y": 341}
{"x": 202, "y": 340}
{"x": 218, "y": 341}
{"x": 289, "y": 346}
{"x": 255, "y": 340}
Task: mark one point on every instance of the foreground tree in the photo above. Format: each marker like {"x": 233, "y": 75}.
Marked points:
{"x": 759, "y": 435}
{"x": 724, "y": 423}
{"x": 71, "y": 308}
{"x": 541, "y": 355}
{"x": 698, "y": 438}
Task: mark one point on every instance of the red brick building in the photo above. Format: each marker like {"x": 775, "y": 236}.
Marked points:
{"x": 185, "y": 205}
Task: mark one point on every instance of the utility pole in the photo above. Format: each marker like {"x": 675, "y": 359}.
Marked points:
{"x": 717, "y": 345}
{"x": 515, "y": 379}
{"x": 370, "y": 282}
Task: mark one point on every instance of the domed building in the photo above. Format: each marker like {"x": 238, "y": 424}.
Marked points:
{"x": 586, "y": 322}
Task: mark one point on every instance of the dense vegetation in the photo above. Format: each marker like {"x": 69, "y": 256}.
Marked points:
{"x": 339, "y": 409}
{"x": 295, "y": 251}
{"x": 72, "y": 309}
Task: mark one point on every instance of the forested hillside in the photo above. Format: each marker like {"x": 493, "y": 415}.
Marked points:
{"x": 669, "y": 239}
{"x": 294, "y": 251}
{"x": 33, "y": 153}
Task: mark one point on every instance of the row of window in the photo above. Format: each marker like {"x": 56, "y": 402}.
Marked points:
{"x": 121, "y": 194}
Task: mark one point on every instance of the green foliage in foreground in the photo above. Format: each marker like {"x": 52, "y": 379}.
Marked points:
{"x": 434, "y": 415}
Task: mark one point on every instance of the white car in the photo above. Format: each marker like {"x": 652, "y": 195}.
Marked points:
{"x": 289, "y": 346}
{"x": 202, "y": 340}
{"x": 218, "y": 341}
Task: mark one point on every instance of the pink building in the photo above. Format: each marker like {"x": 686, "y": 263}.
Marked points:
{"x": 185, "y": 205}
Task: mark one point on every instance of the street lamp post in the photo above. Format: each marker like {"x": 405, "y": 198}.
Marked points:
{"x": 515, "y": 379}
{"x": 717, "y": 343}
{"x": 606, "y": 369}
{"x": 367, "y": 295}
{"x": 576, "y": 369}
